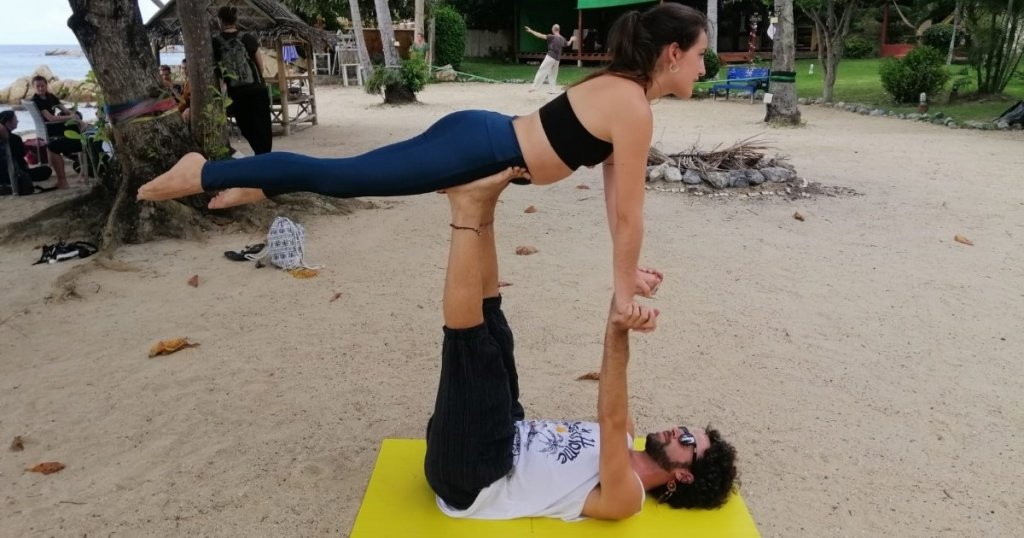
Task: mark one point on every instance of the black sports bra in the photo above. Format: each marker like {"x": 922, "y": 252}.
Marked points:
{"x": 571, "y": 141}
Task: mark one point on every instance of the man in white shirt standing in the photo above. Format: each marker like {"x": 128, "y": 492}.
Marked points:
{"x": 485, "y": 461}
{"x": 549, "y": 67}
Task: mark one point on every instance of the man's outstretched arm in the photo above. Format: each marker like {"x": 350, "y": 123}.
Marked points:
{"x": 619, "y": 494}
{"x": 535, "y": 33}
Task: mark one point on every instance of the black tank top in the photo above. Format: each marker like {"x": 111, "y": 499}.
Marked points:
{"x": 571, "y": 141}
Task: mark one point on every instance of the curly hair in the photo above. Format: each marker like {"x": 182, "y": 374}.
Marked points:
{"x": 714, "y": 475}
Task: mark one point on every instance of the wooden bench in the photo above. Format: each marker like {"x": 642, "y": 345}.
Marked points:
{"x": 742, "y": 80}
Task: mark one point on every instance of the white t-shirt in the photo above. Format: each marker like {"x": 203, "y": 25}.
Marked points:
{"x": 555, "y": 465}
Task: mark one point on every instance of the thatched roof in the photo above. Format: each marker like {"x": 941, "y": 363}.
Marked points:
{"x": 267, "y": 19}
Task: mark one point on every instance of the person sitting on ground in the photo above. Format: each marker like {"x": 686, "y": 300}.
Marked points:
{"x": 58, "y": 119}
{"x": 185, "y": 98}
{"x": 8, "y": 123}
{"x": 168, "y": 81}
{"x": 485, "y": 461}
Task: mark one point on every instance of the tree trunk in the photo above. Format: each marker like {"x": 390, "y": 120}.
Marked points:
{"x": 387, "y": 33}
{"x": 115, "y": 43}
{"x": 398, "y": 94}
{"x": 713, "y": 25}
{"x": 418, "y": 17}
{"x": 952, "y": 38}
{"x": 783, "y": 108}
{"x": 832, "y": 32}
{"x": 207, "y": 117}
{"x": 357, "y": 28}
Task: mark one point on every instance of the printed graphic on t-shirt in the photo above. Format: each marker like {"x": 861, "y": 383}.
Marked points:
{"x": 563, "y": 441}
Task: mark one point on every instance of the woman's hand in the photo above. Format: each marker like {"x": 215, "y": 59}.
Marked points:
{"x": 635, "y": 316}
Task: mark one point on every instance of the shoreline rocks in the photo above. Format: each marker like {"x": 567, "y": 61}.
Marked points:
{"x": 67, "y": 89}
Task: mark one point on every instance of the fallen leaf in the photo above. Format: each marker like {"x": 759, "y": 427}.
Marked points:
{"x": 166, "y": 347}
{"x": 335, "y": 298}
{"x": 17, "y": 444}
{"x": 502, "y": 283}
{"x": 583, "y": 187}
{"x": 961, "y": 239}
{"x": 530, "y": 209}
{"x": 47, "y": 467}
{"x": 525, "y": 250}
{"x": 194, "y": 281}
{"x": 302, "y": 272}
{"x": 592, "y": 376}
{"x": 798, "y": 216}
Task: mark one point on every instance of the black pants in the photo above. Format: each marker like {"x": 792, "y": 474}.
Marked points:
{"x": 469, "y": 436}
{"x": 40, "y": 173}
{"x": 251, "y": 109}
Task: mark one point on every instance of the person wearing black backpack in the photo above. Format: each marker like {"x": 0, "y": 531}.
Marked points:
{"x": 236, "y": 56}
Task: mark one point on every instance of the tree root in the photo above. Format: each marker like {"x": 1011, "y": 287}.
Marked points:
{"x": 68, "y": 218}
{"x": 66, "y": 285}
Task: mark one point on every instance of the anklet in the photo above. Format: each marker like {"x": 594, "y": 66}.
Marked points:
{"x": 454, "y": 227}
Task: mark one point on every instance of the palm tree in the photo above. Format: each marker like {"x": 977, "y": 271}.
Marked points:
{"x": 387, "y": 32}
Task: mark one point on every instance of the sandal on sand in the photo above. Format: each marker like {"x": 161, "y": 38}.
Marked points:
{"x": 241, "y": 256}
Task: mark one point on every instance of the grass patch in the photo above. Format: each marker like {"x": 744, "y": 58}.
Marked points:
{"x": 857, "y": 82}
{"x": 497, "y": 70}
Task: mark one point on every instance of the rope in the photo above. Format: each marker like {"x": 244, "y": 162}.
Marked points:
{"x": 135, "y": 110}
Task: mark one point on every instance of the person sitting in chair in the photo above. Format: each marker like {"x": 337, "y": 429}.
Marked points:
{"x": 485, "y": 461}
{"x": 8, "y": 123}
{"x": 58, "y": 119}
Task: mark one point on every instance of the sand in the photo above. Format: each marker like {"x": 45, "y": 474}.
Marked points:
{"x": 865, "y": 364}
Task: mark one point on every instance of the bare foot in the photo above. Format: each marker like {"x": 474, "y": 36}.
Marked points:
{"x": 486, "y": 189}
{"x": 235, "y": 197}
{"x": 648, "y": 279}
{"x": 183, "y": 179}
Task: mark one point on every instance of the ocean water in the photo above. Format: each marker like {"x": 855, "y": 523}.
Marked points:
{"x": 18, "y": 61}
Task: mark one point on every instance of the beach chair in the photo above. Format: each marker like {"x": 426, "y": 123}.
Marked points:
{"x": 742, "y": 79}
{"x": 347, "y": 53}
{"x": 43, "y": 134}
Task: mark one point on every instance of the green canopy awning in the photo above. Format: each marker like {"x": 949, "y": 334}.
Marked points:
{"x": 594, "y": 4}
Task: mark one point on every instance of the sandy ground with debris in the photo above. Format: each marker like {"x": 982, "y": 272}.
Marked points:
{"x": 866, "y": 366}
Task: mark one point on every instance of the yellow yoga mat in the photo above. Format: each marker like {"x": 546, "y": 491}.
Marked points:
{"x": 400, "y": 504}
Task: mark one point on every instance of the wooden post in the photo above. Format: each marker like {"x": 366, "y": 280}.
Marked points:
{"x": 312, "y": 90}
{"x": 579, "y": 44}
{"x": 282, "y": 82}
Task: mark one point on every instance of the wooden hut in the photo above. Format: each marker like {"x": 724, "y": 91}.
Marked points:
{"x": 292, "y": 41}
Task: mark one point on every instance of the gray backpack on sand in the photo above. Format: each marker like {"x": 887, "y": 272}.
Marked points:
{"x": 286, "y": 241}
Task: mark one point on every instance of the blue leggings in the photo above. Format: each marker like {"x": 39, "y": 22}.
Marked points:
{"x": 459, "y": 148}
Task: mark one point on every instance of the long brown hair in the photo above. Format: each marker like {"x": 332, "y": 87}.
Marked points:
{"x": 636, "y": 40}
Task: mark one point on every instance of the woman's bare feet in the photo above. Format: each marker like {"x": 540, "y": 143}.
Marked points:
{"x": 235, "y": 197}
{"x": 183, "y": 179}
{"x": 648, "y": 280}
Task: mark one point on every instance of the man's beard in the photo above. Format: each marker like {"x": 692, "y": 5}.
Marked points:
{"x": 656, "y": 450}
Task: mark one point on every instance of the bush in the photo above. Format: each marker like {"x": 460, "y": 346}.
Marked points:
{"x": 858, "y": 47}
{"x": 937, "y": 36}
{"x": 449, "y": 36}
{"x": 712, "y": 64}
{"x": 412, "y": 75}
{"x": 921, "y": 70}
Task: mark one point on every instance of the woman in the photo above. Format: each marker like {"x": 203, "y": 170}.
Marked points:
{"x": 606, "y": 118}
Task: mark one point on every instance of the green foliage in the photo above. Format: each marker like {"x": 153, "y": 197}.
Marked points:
{"x": 921, "y": 70}
{"x": 490, "y": 15}
{"x": 712, "y": 64}
{"x": 415, "y": 73}
{"x": 938, "y": 36}
{"x": 412, "y": 74}
{"x": 996, "y": 30}
{"x": 857, "y": 47}
{"x": 450, "y": 36}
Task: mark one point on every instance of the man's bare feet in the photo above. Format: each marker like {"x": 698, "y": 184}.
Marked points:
{"x": 486, "y": 189}
{"x": 183, "y": 179}
{"x": 236, "y": 197}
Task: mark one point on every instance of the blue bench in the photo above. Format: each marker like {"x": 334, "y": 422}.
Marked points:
{"x": 742, "y": 80}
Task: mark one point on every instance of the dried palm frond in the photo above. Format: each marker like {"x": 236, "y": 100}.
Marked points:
{"x": 742, "y": 155}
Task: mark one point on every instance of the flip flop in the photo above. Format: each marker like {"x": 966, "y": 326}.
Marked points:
{"x": 242, "y": 255}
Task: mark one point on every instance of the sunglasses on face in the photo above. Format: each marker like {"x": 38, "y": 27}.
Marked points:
{"x": 687, "y": 439}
